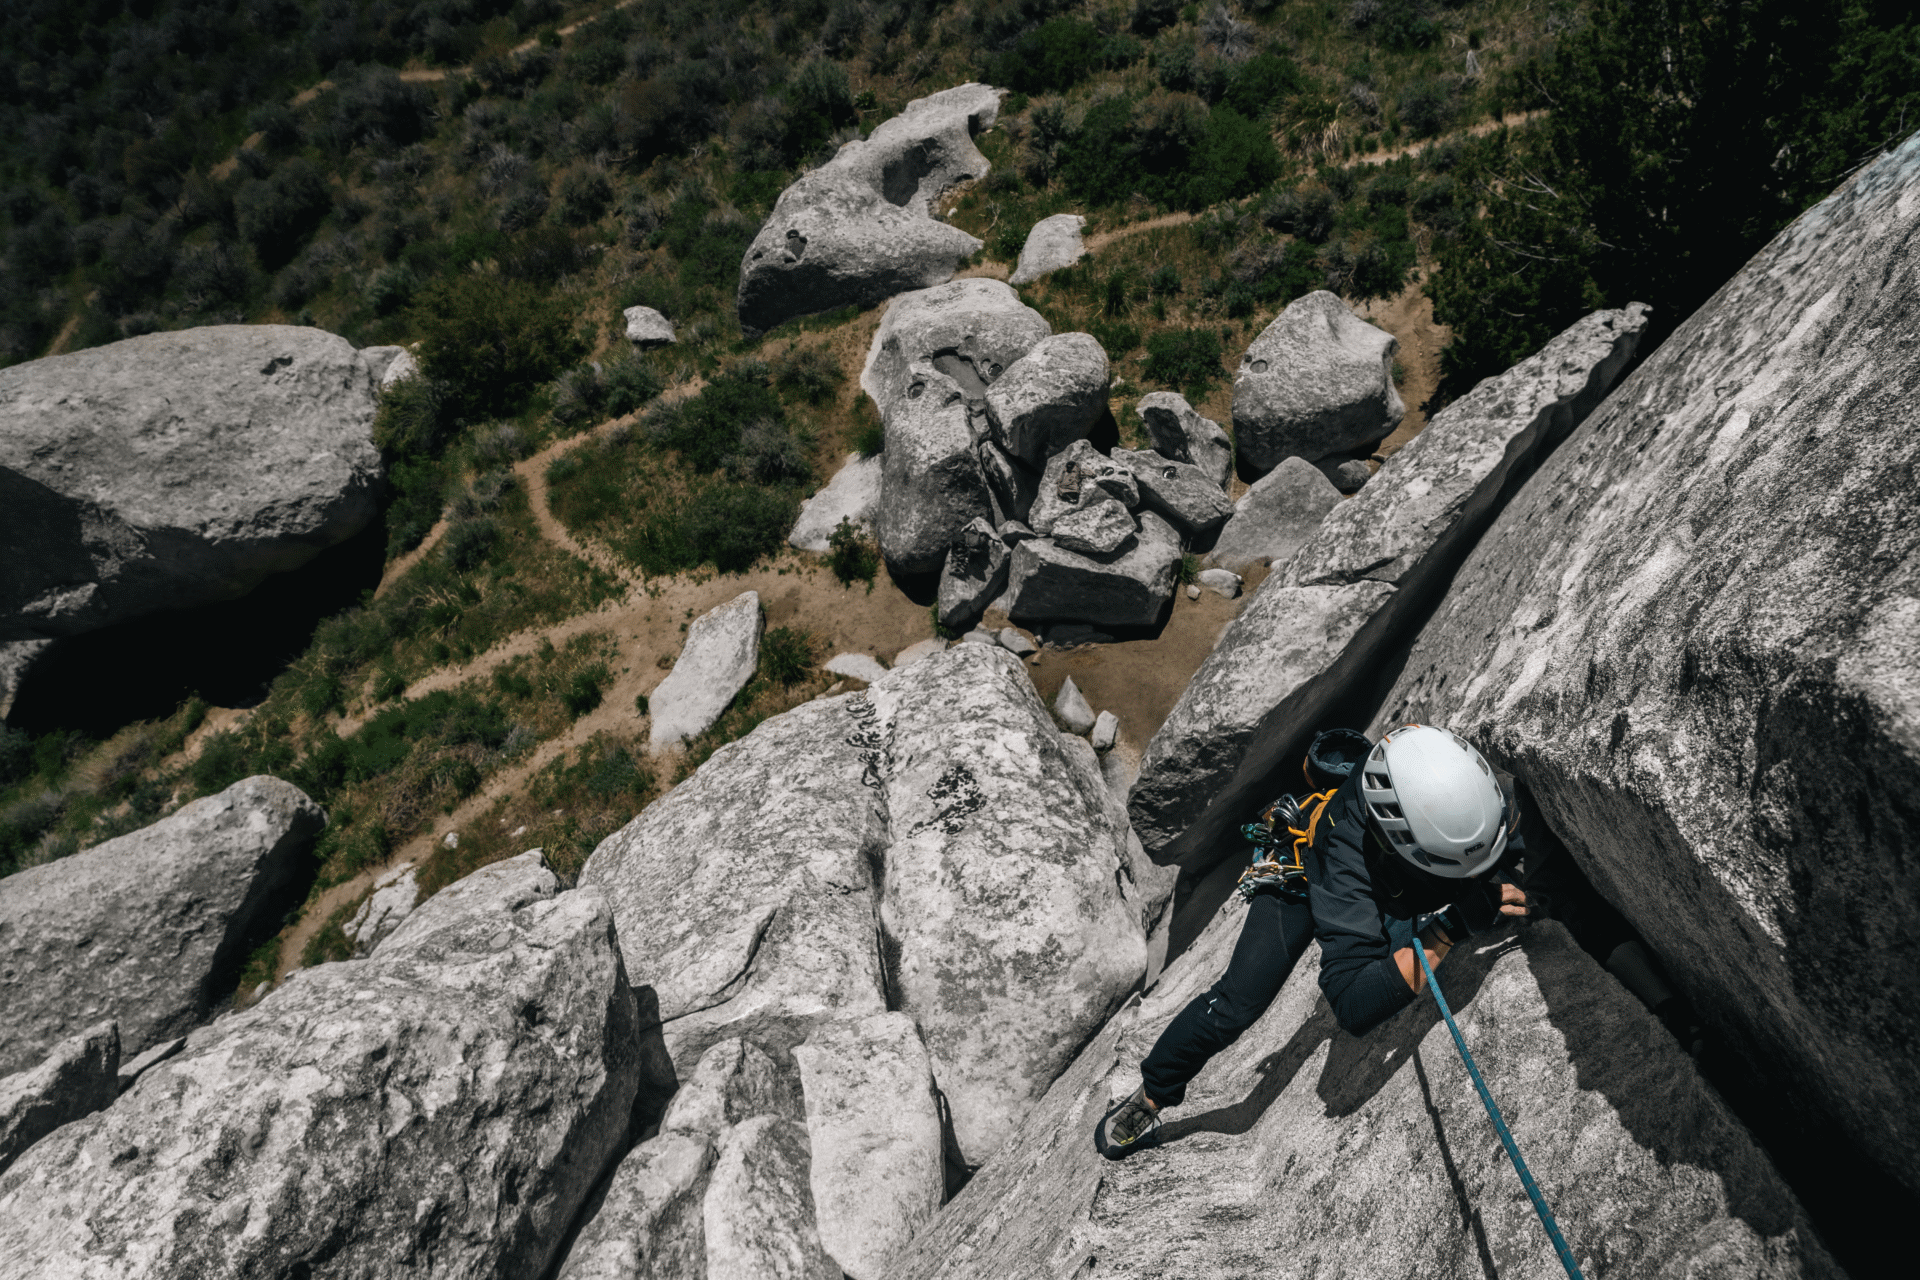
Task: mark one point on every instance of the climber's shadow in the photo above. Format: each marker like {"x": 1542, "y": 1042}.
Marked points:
{"x": 1357, "y": 1067}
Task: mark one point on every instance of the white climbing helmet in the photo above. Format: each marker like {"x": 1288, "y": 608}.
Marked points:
{"x": 1435, "y": 802}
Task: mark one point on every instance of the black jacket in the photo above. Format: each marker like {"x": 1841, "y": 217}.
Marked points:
{"x": 1364, "y": 899}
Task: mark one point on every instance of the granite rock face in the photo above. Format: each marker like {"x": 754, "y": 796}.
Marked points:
{"x": 1049, "y": 397}
{"x": 78, "y": 1078}
{"x": 392, "y": 901}
{"x": 1180, "y": 433}
{"x": 1189, "y": 500}
{"x": 1080, "y": 476}
{"x": 974, "y": 574}
{"x": 1102, "y": 529}
{"x": 138, "y": 929}
{"x": 758, "y": 1213}
{"x": 1318, "y": 380}
{"x": 853, "y": 494}
{"x": 1274, "y": 517}
{"x": 177, "y": 469}
{"x": 1646, "y": 1170}
{"x": 858, "y": 229}
{"x": 873, "y": 1126}
{"x": 931, "y": 482}
{"x": 719, "y": 657}
{"x": 453, "y": 1097}
{"x": 1322, "y": 621}
{"x": 1130, "y": 588}
{"x": 1693, "y": 636}
{"x": 1052, "y": 244}
{"x": 970, "y": 330}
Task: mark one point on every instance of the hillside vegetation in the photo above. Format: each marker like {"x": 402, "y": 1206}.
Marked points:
{"x": 495, "y": 181}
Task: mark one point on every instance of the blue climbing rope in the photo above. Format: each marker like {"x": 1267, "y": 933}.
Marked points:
{"x": 1500, "y": 1125}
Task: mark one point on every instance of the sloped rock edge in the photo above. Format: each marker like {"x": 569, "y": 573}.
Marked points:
{"x": 1302, "y": 1150}
{"x": 1320, "y": 630}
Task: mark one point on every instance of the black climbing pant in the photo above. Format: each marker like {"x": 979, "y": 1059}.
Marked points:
{"x": 1271, "y": 942}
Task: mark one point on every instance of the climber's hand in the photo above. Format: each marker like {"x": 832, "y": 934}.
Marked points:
{"x": 1513, "y": 900}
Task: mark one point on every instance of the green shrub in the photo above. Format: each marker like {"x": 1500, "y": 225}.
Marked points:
{"x": 786, "y": 655}
{"x": 1426, "y": 108}
{"x": 726, "y": 524}
{"x": 1116, "y": 337}
{"x": 807, "y": 374}
{"x": 16, "y": 754}
{"x": 1257, "y": 86}
{"x": 852, "y": 555}
{"x": 870, "y": 440}
{"x": 469, "y": 543}
{"x": 706, "y": 429}
{"x": 583, "y": 691}
{"x": 321, "y": 694}
{"x": 491, "y": 341}
{"x": 1185, "y": 358}
{"x": 222, "y": 762}
{"x": 584, "y": 195}
{"x": 277, "y": 214}
{"x": 1058, "y": 55}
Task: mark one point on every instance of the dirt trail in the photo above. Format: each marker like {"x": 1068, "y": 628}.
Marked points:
{"x": 1101, "y": 239}
{"x": 1480, "y": 130}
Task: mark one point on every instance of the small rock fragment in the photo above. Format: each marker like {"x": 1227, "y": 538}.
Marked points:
{"x": 648, "y": 328}
{"x": 914, "y": 652}
{"x": 855, "y": 666}
{"x": 1222, "y": 582}
{"x": 1071, "y": 706}
{"x": 1012, "y": 639}
{"x": 1106, "y": 727}
{"x": 719, "y": 657}
{"x": 1097, "y": 530}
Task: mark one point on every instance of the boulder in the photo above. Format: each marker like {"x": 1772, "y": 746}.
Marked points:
{"x": 379, "y": 360}
{"x": 853, "y": 494}
{"x": 971, "y": 330}
{"x": 1221, "y": 582}
{"x": 1274, "y": 518}
{"x": 918, "y": 650}
{"x": 177, "y": 469}
{"x": 78, "y": 1078}
{"x": 141, "y": 928}
{"x": 858, "y": 229}
{"x": 855, "y": 666}
{"x": 1070, "y": 706}
{"x": 17, "y": 660}
{"x": 1049, "y": 397}
{"x": 1326, "y": 618}
{"x": 932, "y": 484}
{"x": 1079, "y": 476}
{"x": 392, "y": 900}
{"x": 1049, "y": 583}
{"x": 402, "y": 367}
{"x": 1180, "y": 433}
{"x": 1013, "y": 533}
{"x": 974, "y": 574}
{"x": 133, "y": 1068}
{"x": 1011, "y": 485}
{"x": 1345, "y": 474}
{"x": 1317, "y": 380}
{"x": 650, "y": 1222}
{"x": 1106, "y": 727}
{"x": 719, "y": 657}
{"x": 745, "y": 896}
{"x": 733, "y": 1082}
{"x": 873, "y": 1127}
{"x": 1192, "y": 502}
{"x": 1016, "y": 643}
{"x": 1052, "y": 244}
{"x": 758, "y": 1213}
{"x": 1692, "y": 635}
{"x": 648, "y": 328}
{"x": 1384, "y": 1137}
{"x": 1008, "y": 939}
{"x": 454, "y": 1097}
{"x": 1101, "y": 529}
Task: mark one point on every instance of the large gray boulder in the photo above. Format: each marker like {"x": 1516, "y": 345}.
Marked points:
{"x": 1187, "y": 497}
{"x": 454, "y": 1097}
{"x": 140, "y": 928}
{"x": 1693, "y": 635}
{"x": 719, "y": 657}
{"x": 971, "y": 330}
{"x": 1322, "y": 621}
{"x": 1049, "y": 397}
{"x": 1180, "y": 433}
{"x": 176, "y": 469}
{"x": 873, "y": 1128}
{"x": 745, "y": 894}
{"x": 1129, "y": 588}
{"x": 758, "y": 1214}
{"x": 1317, "y": 380}
{"x": 1008, "y": 938}
{"x": 1274, "y": 517}
{"x": 859, "y": 229}
{"x": 853, "y": 495}
{"x": 1302, "y": 1150}
{"x": 1052, "y": 244}
{"x": 932, "y": 485}
{"x": 974, "y": 574}
{"x": 78, "y": 1078}
{"x": 1079, "y": 476}
{"x": 646, "y": 327}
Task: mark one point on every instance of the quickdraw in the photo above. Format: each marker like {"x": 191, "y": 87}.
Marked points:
{"x": 1280, "y": 841}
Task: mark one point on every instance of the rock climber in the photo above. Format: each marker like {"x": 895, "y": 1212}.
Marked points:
{"x": 1418, "y": 839}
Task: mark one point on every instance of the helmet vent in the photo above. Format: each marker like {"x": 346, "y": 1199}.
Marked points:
{"x": 1389, "y": 811}
{"x": 1400, "y": 838}
{"x": 1379, "y": 782}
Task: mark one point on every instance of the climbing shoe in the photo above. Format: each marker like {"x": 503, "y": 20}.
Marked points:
{"x": 1131, "y": 1125}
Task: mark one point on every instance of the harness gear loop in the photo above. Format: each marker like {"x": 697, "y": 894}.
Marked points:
{"x": 1281, "y": 839}
{"x": 1500, "y": 1124}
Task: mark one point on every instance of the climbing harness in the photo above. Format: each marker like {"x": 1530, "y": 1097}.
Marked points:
{"x": 1500, "y": 1125}
{"x": 1280, "y": 841}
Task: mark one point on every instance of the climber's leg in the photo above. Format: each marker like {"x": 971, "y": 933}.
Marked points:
{"x": 1273, "y": 938}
